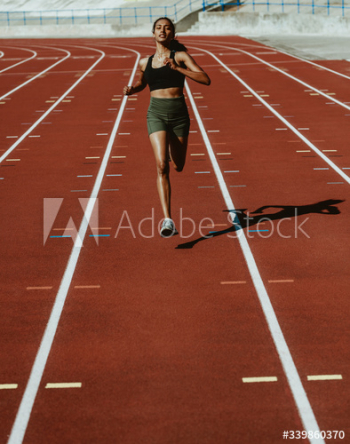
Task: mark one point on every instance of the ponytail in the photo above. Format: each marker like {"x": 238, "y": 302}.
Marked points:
{"x": 175, "y": 45}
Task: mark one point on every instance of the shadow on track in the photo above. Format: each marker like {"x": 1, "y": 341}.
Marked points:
{"x": 243, "y": 219}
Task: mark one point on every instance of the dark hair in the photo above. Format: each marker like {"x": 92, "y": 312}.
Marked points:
{"x": 175, "y": 45}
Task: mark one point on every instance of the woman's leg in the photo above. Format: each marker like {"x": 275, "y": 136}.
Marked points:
{"x": 159, "y": 142}
{"x": 177, "y": 151}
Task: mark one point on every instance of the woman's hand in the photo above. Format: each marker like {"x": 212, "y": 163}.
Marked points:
{"x": 171, "y": 63}
{"x": 128, "y": 90}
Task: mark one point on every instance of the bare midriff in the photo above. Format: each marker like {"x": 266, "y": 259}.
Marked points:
{"x": 167, "y": 93}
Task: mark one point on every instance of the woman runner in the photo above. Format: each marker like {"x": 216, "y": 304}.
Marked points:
{"x": 168, "y": 121}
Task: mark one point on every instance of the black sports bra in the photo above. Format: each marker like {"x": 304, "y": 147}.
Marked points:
{"x": 164, "y": 77}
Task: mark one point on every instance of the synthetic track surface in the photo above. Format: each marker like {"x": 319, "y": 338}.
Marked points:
{"x": 159, "y": 335}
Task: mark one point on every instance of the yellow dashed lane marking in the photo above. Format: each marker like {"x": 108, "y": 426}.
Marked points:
{"x": 38, "y": 288}
{"x": 280, "y": 281}
{"x": 232, "y": 282}
{"x": 102, "y": 228}
{"x": 261, "y": 379}
{"x": 324, "y": 377}
{"x": 63, "y": 385}
{"x": 8, "y": 386}
{"x": 88, "y": 286}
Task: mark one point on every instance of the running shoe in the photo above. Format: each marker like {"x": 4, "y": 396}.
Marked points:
{"x": 168, "y": 228}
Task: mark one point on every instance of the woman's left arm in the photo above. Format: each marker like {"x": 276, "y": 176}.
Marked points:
{"x": 193, "y": 71}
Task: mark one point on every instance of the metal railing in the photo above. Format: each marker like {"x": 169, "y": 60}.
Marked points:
{"x": 114, "y": 16}
{"x": 177, "y": 11}
{"x": 328, "y": 7}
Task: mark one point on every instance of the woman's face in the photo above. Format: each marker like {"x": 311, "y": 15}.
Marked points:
{"x": 163, "y": 31}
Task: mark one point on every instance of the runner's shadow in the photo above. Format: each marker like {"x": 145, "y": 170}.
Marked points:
{"x": 243, "y": 219}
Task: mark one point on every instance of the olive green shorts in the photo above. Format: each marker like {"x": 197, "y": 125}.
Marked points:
{"x": 170, "y": 115}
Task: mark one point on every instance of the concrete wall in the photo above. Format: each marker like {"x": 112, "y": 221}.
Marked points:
{"x": 260, "y": 23}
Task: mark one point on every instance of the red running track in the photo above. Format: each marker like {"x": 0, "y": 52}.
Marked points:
{"x": 217, "y": 335}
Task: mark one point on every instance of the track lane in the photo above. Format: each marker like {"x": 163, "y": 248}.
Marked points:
{"x": 299, "y": 80}
{"x": 172, "y": 318}
{"x": 320, "y": 65}
{"x": 37, "y": 75}
{"x": 269, "y": 189}
{"x": 293, "y": 126}
{"x": 312, "y": 110}
{"x": 264, "y": 154}
{"x": 21, "y": 62}
{"x": 47, "y": 173}
{"x": 43, "y": 115}
{"x": 321, "y": 207}
{"x": 17, "y": 433}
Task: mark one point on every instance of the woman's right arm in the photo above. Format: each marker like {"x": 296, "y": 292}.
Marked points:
{"x": 141, "y": 82}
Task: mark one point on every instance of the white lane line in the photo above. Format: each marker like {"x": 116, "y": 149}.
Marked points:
{"x": 260, "y": 379}
{"x": 324, "y": 377}
{"x": 23, "y": 61}
{"x": 303, "y": 405}
{"x": 46, "y": 113}
{"x": 40, "y": 73}
{"x": 27, "y": 402}
{"x": 51, "y": 385}
{"x": 289, "y": 125}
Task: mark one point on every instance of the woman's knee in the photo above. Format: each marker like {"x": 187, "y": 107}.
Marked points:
{"x": 179, "y": 167}
{"x": 162, "y": 168}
